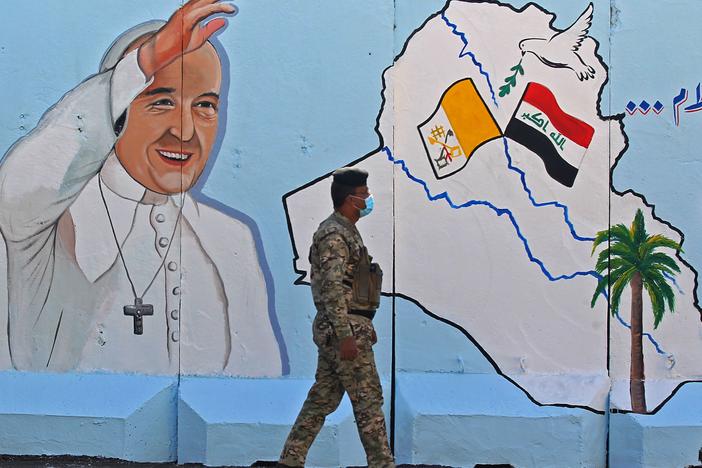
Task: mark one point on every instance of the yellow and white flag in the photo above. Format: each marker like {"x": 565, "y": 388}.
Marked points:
{"x": 460, "y": 124}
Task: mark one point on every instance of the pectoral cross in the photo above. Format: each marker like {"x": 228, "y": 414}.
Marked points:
{"x": 137, "y": 311}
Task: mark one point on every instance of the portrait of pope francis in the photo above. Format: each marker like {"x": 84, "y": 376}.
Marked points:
{"x": 112, "y": 264}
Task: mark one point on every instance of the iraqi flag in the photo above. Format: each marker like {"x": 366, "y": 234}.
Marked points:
{"x": 558, "y": 138}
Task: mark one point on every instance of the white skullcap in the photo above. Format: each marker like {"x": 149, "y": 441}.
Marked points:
{"x": 119, "y": 46}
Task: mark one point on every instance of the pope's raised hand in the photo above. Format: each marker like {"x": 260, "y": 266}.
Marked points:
{"x": 182, "y": 33}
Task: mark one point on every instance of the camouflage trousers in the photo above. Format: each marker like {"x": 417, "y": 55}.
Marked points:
{"x": 359, "y": 378}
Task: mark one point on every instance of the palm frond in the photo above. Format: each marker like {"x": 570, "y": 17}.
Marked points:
{"x": 658, "y": 240}
{"x": 620, "y": 233}
{"x": 605, "y": 280}
{"x": 624, "y": 251}
{"x": 669, "y": 295}
{"x": 617, "y": 273}
{"x": 660, "y": 282}
{"x": 657, "y": 302}
{"x": 619, "y": 262}
{"x": 655, "y": 281}
{"x": 602, "y": 283}
{"x": 664, "y": 266}
{"x": 660, "y": 269}
{"x": 638, "y": 228}
{"x": 613, "y": 263}
{"x": 603, "y": 260}
{"x": 659, "y": 258}
{"x": 600, "y": 238}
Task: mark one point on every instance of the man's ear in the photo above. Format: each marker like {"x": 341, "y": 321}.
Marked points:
{"x": 349, "y": 198}
{"x": 119, "y": 124}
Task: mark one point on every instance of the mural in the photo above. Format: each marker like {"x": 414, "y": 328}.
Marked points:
{"x": 499, "y": 199}
{"x": 631, "y": 258}
{"x": 110, "y": 259}
{"x": 536, "y": 217}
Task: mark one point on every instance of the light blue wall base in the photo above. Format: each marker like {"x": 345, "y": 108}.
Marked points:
{"x": 464, "y": 419}
{"x": 105, "y": 415}
{"x": 670, "y": 438}
{"x": 441, "y": 419}
{"x": 241, "y": 421}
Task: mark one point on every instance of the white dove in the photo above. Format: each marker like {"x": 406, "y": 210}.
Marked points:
{"x": 561, "y": 50}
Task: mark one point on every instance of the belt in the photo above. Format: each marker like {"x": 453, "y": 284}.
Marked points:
{"x": 369, "y": 314}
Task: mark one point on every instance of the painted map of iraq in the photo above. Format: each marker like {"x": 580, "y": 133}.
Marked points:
{"x": 493, "y": 172}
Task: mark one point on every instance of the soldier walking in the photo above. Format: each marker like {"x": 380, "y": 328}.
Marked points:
{"x": 346, "y": 291}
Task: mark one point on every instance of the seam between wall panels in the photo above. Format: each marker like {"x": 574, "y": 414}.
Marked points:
{"x": 393, "y": 370}
{"x": 180, "y": 251}
{"x": 612, "y": 6}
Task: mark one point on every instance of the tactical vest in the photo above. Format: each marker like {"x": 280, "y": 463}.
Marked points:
{"x": 367, "y": 282}
{"x": 367, "y": 277}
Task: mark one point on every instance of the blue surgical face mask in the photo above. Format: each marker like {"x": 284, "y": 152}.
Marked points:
{"x": 370, "y": 203}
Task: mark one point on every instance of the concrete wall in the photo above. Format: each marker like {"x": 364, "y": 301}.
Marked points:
{"x": 502, "y": 140}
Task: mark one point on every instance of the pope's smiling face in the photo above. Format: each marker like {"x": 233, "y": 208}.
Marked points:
{"x": 172, "y": 126}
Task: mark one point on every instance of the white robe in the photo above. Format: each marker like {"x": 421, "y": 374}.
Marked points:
{"x": 66, "y": 283}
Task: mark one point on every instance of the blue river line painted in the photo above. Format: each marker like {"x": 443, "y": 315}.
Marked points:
{"x": 500, "y": 212}
{"x": 659, "y": 350}
{"x": 566, "y": 214}
{"x": 464, "y": 52}
{"x": 522, "y": 177}
{"x": 510, "y": 166}
{"x": 672, "y": 279}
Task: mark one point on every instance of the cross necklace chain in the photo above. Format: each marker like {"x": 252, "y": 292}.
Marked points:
{"x": 138, "y": 310}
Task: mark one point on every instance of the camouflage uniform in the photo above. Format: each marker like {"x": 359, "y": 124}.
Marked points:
{"x": 336, "y": 249}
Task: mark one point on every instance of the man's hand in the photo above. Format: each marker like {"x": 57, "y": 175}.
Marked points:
{"x": 348, "y": 348}
{"x": 182, "y": 34}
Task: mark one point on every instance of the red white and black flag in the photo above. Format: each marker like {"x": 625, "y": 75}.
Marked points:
{"x": 558, "y": 138}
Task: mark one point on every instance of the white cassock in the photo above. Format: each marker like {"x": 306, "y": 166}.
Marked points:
{"x": 67, "y": 285}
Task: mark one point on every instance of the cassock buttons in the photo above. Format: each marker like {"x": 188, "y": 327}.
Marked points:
{"x": 163, "y": 242}
{"x": 172, "y": 266}
{"x": 174, "y": 336}
{"x": 174, "y": 314}
{"x": 160, "y": 218}
{"x": 176, "y": 291}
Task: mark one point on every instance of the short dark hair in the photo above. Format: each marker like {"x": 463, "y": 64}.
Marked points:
{"x": 339, "y": 192}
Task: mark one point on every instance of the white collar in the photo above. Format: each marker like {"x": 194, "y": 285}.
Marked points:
{"x": 95, "y": 247}
{"x": 118, "y": 180}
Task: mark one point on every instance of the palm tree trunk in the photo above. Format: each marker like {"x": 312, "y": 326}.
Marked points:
{"x": 636, "y": 377}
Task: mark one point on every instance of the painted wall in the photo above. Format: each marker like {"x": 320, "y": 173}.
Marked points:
{"x": 502, "y": 139}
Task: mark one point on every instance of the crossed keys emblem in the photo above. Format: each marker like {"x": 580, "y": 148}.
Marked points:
{"x": 448, "y": 152}
{"x": 451, "y": 135}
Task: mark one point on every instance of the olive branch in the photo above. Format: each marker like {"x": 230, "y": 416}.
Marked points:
{"x": 511, "y": 81}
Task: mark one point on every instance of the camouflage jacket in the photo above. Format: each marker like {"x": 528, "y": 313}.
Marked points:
{"x": 336, "y": 250}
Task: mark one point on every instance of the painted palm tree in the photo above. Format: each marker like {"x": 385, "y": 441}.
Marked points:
{"x": 632, "y": 258}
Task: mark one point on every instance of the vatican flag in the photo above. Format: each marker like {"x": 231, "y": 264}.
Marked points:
{"x": 460, "y": 124}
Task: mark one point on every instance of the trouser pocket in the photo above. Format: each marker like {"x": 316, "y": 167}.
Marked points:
{"x": 322, "y": 332}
